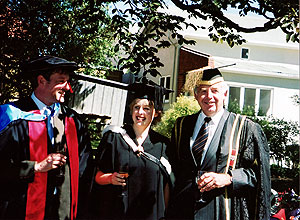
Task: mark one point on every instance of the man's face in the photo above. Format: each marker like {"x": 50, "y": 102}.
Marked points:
{"x": 211, "y": 98}
{"x": 54, "y": 90}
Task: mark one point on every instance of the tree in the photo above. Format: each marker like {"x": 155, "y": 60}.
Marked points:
{"x": 283, "y": 14}
{"x": 155, "y": 23}
{"x": 85, "y": 32}
{"x": 75, "y": 30}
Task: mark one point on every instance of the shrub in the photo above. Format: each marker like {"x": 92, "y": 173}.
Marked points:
{"x": 183, "y": 106}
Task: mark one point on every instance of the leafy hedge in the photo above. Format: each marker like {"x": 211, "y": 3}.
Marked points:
{"x": 183, "y": 106}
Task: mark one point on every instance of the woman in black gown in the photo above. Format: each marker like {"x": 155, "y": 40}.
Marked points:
{"x": 144, "y": 194}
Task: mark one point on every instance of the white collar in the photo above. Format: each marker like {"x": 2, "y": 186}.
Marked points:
{"x": 215, "y": 119}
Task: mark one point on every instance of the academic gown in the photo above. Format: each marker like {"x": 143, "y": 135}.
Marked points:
{"x": 249, "y": 193}
{"x": 145, "y": 190}
{"x": 17, "y": 170}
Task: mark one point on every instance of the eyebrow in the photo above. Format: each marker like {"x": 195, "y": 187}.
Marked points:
{"x": 141, "y": 105}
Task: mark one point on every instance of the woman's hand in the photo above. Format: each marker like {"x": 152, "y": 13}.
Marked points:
{"x": 118, "y": 179}
{"x": 110, "y": 178}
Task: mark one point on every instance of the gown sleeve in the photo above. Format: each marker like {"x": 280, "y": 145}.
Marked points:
{"x": 14, "y": 157}
{"x": 254, "y": 169}
{"x": 105, "y": 157}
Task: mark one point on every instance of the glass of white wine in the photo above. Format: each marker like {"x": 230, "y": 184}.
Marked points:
{"x": 200, "y": 197}
{"x": 123, "y": 171}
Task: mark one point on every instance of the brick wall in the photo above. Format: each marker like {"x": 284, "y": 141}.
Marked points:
{"x": 190, "y": 60}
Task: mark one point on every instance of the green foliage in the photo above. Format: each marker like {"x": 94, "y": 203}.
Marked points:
{"x": 95, "y": 133}
{"x": 154, "y": 25}
{"x": 183, "y": 106}
{"x": 75, "y": 30}
{"x": 235, "y": 107}
{"x": 85, "y": 32}
{"x": 282, "y": 139}
{"x": 296, "y": 99}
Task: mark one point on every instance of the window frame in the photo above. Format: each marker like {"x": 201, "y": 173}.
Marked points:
{"x": 257, "y": 96}
{"x": 245, "y": 48}
{"x": 165, "y": 85}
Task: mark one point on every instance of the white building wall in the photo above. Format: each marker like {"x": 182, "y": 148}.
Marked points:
{"x": 258, "y": 51}
{"x": 282, "y": 105}
{"x": 274, "y": 54}
{"x": 169, "y": 57}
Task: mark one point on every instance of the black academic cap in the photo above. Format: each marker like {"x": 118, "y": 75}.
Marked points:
{"x": 203, "y": 76}
{"x": 150, "y": 91}
{"x": 211, "y": 77}
{"x": 45, "y": 63}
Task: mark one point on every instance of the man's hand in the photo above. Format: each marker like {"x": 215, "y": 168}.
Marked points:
{"x": 52, "y": 161}
{"x": 210, "y": 180}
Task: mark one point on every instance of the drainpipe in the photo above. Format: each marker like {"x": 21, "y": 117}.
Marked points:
{"x": 175, "y": 70}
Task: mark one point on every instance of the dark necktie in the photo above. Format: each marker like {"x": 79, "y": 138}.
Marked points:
{"x": 200, "y": 141}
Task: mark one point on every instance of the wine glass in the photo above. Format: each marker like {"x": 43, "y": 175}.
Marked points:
{"x": 61, "y": 148}
{"x": 123, "y": 171}
{"x": 200, "y": 195}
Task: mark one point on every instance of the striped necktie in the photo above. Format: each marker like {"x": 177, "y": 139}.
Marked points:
{"x": 200, "y": 141}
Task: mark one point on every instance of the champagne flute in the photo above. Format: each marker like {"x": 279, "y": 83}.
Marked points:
{"x": 123, "y": 171}
{"x": 200, "y": 195}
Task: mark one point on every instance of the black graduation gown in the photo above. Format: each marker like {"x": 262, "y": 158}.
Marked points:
{"x": 17, "y": 171}
{"x": 146, "y": 183}
{"x": 250, "y": 191}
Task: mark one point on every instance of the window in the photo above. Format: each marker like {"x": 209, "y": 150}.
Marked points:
{"x": 165, "y": 81}
{"x": 264, "y": 102}
{"x": 249, "y": 98}
{"x": 245, "y": 99}
{"x": 245, "y": 53}
{"x": 234, "y": 95}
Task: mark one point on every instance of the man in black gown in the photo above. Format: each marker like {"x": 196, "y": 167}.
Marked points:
{"x": 42, "y": 162}
{"x": 234, "y": 156}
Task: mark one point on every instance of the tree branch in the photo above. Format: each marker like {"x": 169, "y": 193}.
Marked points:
{"x": 215, "y": 13}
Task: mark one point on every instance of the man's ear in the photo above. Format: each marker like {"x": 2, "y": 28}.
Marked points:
{"x": 41, "y": 80}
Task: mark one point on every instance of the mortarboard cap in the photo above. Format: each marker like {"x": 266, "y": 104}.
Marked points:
{"x": 150, "y": 91}
{"x": 203, "y": 76}
{"x": 45, "y": 63}
{"x": 211, "y": 77}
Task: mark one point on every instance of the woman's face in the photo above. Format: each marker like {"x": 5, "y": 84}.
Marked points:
{"x": 142, "y": 112}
